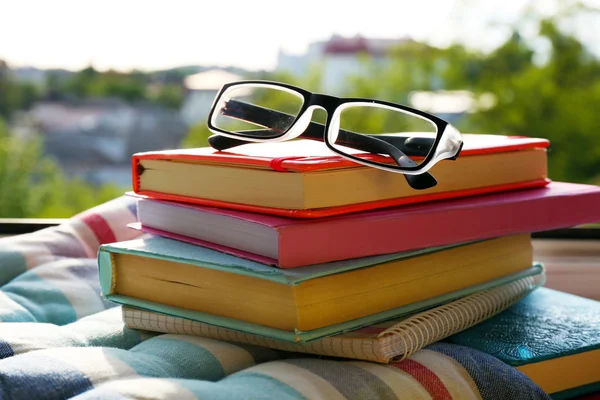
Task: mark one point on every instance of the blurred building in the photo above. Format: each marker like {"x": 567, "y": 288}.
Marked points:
{"x": 451, "y": 105}
{"x": 338, "y": 57}
{"x": 94, "y": 139}
{"x": 30, "y": 74}
{"x": 201, "y": 89}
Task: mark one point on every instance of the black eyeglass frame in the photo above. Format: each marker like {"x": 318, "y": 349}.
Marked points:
{"x": 332, "y": 105}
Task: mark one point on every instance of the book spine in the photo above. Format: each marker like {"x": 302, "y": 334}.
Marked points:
{"x": 105, "y": 272}
{"x": 135, "y": 173}
{"x": 433, "y": 325}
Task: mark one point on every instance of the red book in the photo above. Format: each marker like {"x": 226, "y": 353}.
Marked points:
{"x": 290, "y": 242}
{"x": 302, "y": 179}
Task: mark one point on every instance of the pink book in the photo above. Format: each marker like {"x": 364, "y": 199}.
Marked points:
{"x": 289, "y": 242}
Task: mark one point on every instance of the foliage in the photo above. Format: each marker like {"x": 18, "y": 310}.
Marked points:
{"x": 71, "y": 196}
{"x": 22, "y": 177}
{"x": 197, "y": 136}
{"x": 556, "y": 100}
{"x": 132, "y": 87}
{"x": 35, "y": 187}
{"x": 14, "y": 96}
{"x": 168, "y": 95}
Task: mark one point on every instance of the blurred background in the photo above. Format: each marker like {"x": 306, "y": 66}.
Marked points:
{"x": 83, "y": 85}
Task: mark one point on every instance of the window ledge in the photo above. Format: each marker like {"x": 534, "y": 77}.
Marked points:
{"x": 17, "y": 226}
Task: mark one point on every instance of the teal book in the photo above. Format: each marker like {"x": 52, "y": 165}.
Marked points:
{"x": 550, "y": 336}
{"x": 306, "y": 303}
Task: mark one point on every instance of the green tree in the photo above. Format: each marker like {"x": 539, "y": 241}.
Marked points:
{"x": 169, "y": 95}
{"x": 556, "y": 100}
{"x": 23, "y": 178}
{"x": 78, "y": 85}
{"x": 15, "y": 96}
{"x": 33, "y": 186}
{"x": 132, "y": 87}
{"x": 197, "y": 136}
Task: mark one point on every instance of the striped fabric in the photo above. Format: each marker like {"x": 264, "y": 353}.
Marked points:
{"x": 59, "y": 339}
{"x": 52, "y": 275}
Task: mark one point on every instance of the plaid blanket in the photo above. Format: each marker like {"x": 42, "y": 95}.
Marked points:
{"x": 60, "y": 339}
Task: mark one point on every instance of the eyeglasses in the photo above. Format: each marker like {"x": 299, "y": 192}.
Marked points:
{"x": 375, "y": 133}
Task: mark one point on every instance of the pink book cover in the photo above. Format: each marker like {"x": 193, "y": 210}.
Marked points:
{"x": 306, "y": 242}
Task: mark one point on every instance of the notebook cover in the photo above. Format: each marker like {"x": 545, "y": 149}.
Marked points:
{"x": 106, "y": 270}
{"x": 309, "y": 155}
{"x": 378, "y": 342}
{"x": 306, "y": 242}
{"x": 547, "y": 325}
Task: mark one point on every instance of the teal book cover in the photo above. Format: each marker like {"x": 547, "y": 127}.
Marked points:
{"x": 550, "y": 336}
{"x": 167, "y": 249}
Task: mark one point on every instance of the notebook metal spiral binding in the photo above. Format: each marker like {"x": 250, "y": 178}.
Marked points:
{"x": 438, "y": 323}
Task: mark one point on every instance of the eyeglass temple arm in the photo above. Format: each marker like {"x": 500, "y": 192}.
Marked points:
{"x": 366, "y": 143}
{"x": 376, "y": 145}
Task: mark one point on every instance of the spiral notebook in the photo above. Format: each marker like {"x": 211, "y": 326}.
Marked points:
{"x": 383, "y": 342}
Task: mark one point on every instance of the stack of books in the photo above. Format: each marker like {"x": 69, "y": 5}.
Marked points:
{"x": 288, "y": 246}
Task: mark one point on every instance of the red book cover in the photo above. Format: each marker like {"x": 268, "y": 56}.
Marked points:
{"x": 307, "y": 156}
{"x": 304, "y": 242}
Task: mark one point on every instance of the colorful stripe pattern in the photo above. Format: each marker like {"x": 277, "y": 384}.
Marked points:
{"x": 51, "y": 276}
{"x": 59, "y": 339}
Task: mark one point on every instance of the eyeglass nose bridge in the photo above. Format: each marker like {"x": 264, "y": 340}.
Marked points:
{"x": 302, "y": 123}
{"x": 316, "y": 101}
{"x": 324, "y": 101}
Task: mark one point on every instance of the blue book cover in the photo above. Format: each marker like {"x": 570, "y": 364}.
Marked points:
{"x": 550, "y": 336}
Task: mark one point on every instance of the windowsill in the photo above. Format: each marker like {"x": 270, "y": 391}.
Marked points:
{"x": 572, "y": 265}
{"x": 17, "y": 226}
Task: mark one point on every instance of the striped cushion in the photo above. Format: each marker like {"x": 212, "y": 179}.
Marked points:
{"x": 185, "y": 365}
{"x": 79, "y": 237}
{"x": 59, "y": 339}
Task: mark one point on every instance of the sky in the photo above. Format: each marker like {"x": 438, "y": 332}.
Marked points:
{"x": 157, "y": 34}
